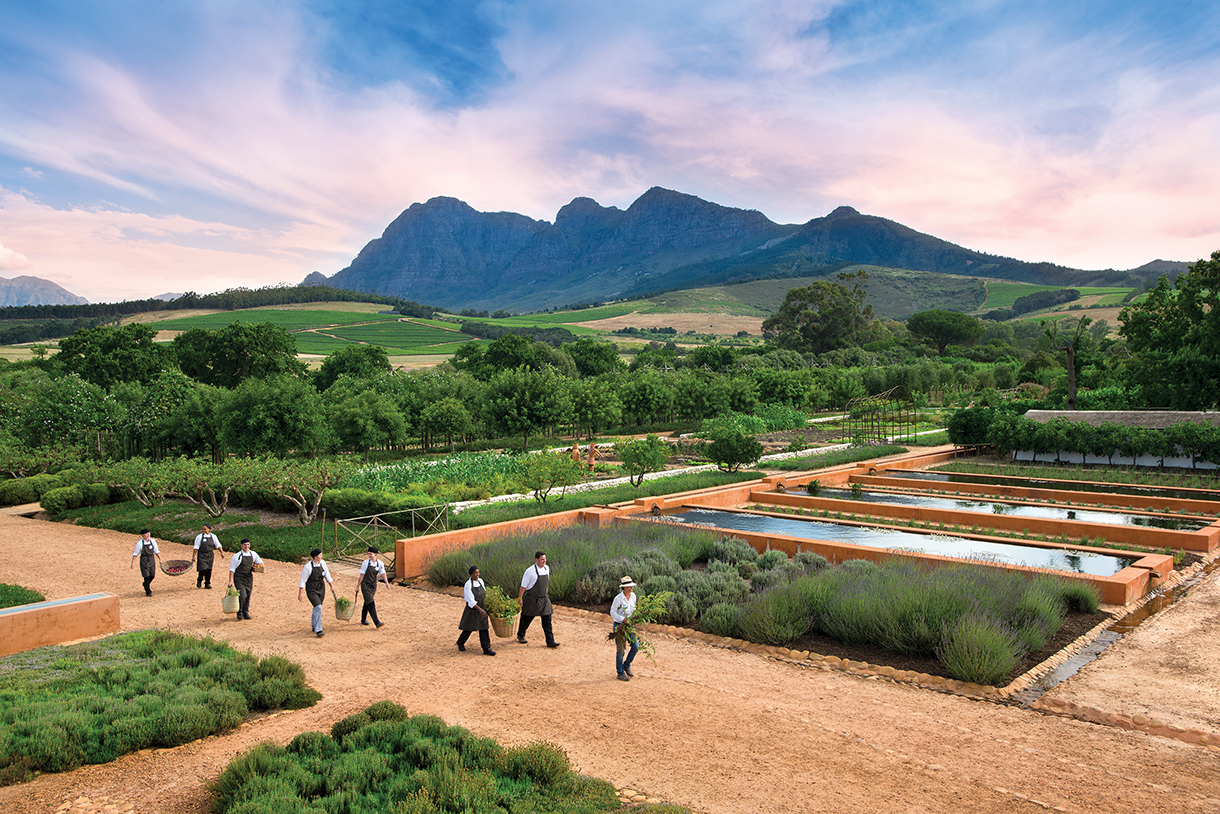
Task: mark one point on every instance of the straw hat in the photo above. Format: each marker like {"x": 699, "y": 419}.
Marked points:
{"x": 626, "y": 582}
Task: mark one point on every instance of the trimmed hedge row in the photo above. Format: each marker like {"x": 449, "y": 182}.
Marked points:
{"x": 1007, "y": 431}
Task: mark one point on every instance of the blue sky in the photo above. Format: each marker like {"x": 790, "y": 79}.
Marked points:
{"x": 148, "y": 147}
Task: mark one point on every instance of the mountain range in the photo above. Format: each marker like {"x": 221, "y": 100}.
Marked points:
{"x": 444, "y": 252}
{"x": 26, "y": 290}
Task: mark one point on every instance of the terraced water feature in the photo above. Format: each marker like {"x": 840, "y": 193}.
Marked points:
{"x": 1027, "y": 555}
{"x": 1045, "y": 483}
{"x": 927, "y": 501}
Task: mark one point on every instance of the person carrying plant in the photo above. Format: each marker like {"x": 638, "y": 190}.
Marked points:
{"x": 474, "y": 617}
{"x": 370, "y": 570}
{"x": 241, "y": 575}
{"x": 534, "y": 599}
{"x": 622, "y": 607}
{"x": 315, "y": 576}
{"x": 149, "y": 554}
{"x": 206, "y": 546}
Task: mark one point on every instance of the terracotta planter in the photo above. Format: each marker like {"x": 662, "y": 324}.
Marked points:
{"x": 502, "y": 627}
{"x": 230, "y": 604}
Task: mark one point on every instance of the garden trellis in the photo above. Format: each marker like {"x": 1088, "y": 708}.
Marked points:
{"x": 880, "y": 419}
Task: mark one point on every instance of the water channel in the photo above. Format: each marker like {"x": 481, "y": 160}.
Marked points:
{"x": 1044, "y": 483}
{"x": 1019, "y": 510}
{"x": 1035, "y": 556}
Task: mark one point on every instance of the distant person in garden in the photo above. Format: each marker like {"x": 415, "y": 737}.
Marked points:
{"x": 315, "y": 576}
{"x": 534, "y": 599}
{"x": 241, "y": 576}
{"x": 149, "y": 555}
{"x": 474, "y": 617}
{"x": 206, "y": 546}
{"x": 622, "y": 607}
{"x": 370, "y": 570}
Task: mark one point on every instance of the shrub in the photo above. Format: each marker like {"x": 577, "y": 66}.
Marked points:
{"x": 980, "y": 649}
{"x": 777, "y": 617}
{"x": 810, "y": 561}
{"x": 658, "y": 583}
{"x": 95, "y": 494}
{"x": 18, "y": 491}
{"x": 13, "y": 595}
{"x": 720, "y": 619}
{"x": 730, "y": 549}
{"x": 771, "y": 558}
{"x": 65, "y": 498}
{"x": 387, "y": 711}
{"x": 346, "y": 726}
{"x": 544, "y": 763}
{"x": 1080, "y": 597}
{"x": 680, "y": 610}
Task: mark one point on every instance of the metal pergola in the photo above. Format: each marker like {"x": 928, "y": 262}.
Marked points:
{"x": 881, "y": 419}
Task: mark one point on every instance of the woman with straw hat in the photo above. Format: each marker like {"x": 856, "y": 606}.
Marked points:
{"x": 622, "y": 607}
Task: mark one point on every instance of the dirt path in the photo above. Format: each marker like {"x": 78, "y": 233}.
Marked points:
{"x": 712, "y": 729}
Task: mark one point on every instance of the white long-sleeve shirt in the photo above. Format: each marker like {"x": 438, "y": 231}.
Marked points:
{"x": 236, "y": 561}
{"x": 468, "y": 591}
{"x": 308, "y": 570}
{"x": 622, "y": 607}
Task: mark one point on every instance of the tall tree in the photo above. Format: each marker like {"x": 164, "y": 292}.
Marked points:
{"x": 1174, "y": 335}
{"x": 228, "y": 356}
{"x": 823, "y": 316}
{"x": 276, "y": 415}
{"x": 108, "y": 355}
{"x": 945, "y": 328}
{"x": 356, "y": 361}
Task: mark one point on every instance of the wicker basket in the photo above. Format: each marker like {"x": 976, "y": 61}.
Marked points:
{"x": 230, "y": 604}
{"x": 175, "y": 568}
{"x": 501, "y": 626}
{"x": 345, "y": 614}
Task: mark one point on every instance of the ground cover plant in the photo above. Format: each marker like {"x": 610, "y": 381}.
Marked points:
{"x": 385, "y": 760}
{"x": 61, "y": 707}
{"x": 13, "y": 595}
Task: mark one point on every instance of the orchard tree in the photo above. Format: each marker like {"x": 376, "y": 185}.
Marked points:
{"x": 596, "y": 404}
{"x": 108, "y": 355}
{"x": 69, "y": 411}
{"x": 228, "y": 356}
{"x": 301, "y": 483}
{"x": 945, "y": 328}
{"x": 275, "y": 415}
{"x": 543, "y": 471}
{"x": 357, "y": 361}
{"x": 823, "y": 316}
{"x": 525, "y": 402}
{"x": 594, "y": 358}
{"x": 641, "y": 456}
{"x": 365, "y": 420}
{"x": 447, "y": 418}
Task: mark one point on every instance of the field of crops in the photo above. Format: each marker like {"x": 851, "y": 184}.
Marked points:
{"x": 1003, "y": 295}
{"x": 290, "y": 319}
{"x": 400, "y": 335}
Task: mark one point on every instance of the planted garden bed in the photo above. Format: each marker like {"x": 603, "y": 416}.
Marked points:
{"x": 967, "y": 622}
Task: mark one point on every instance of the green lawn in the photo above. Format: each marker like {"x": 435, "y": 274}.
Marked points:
{"x": 289, "y": 319}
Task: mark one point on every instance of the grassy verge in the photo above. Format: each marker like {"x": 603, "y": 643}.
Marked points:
{"x": 13, "y": 595}
{"x": 61, "y": 707}
{"x": 846, "y": 456}
{"x": 383, "y": 759}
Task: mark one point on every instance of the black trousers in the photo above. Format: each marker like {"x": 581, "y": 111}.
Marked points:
{"x": 546, "y": 627}
{"x": 244, "y": 589}
{"x": 148, "y": 578}
{"x": 369, "y": 609}
{"x": 204, "y": 578}
{"x": 484, "y": 638}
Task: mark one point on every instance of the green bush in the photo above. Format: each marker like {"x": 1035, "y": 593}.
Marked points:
{"x": 720, "y": 619}
{"x": 18, "y": 491}
{"x": 544, "y": 763}
{"x": 65, "y": 498}
{"x": 771, "y": 558}
{"x": 810, "y": 561}
{"x": 95, "y": 494}
{"x": 980, "y": 649}
{"x": 13, "y": 595}
{"x": 680, "y": 610}
{"x": 346, "y": 726}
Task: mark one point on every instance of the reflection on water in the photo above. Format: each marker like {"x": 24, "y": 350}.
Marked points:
{"x": 1044, "y": 483}
{"x": 1018, "y": 510}
{"x": 1035, "y": 556}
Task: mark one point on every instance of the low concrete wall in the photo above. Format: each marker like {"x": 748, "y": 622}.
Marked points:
{"x": 62, "y": 620}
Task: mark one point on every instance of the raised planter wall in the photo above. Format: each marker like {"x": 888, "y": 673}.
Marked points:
{"x": 57, "y": 621}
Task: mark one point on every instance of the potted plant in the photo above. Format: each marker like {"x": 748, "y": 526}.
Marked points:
{"x": 501, "y": 610}
{"x": 344, "y": 608}
{"x": 230, "y": 602}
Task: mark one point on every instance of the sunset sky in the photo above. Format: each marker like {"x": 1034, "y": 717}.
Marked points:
{"x": 150, "y": 147}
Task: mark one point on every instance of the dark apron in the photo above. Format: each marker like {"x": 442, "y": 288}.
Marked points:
{"x": 368, "y": 584}
{"x": 148, "y": 563}
{"x": 243, "y": 574}
{"x": 207, "y": 550}
{"x": 536, "y": 602}
{"x": 315, "y": 586}
{"x": 471, "y": 618}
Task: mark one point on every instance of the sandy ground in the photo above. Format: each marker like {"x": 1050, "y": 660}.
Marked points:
{"x": 712, "y": 729}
